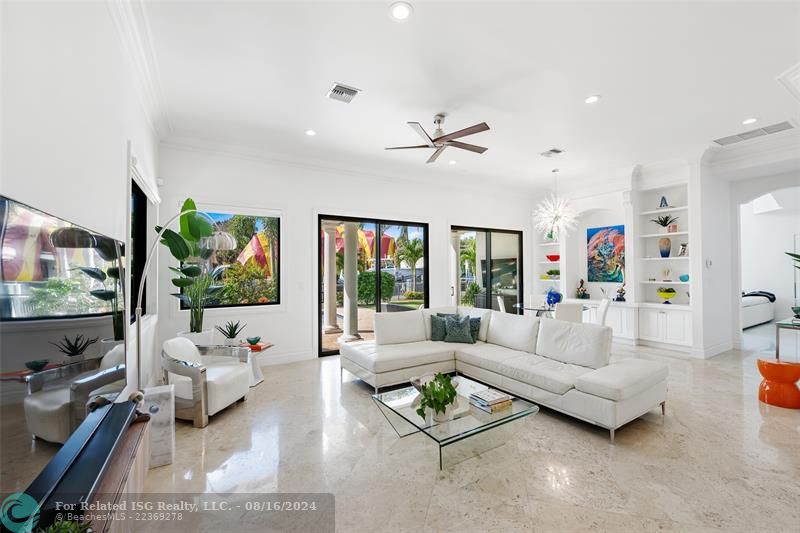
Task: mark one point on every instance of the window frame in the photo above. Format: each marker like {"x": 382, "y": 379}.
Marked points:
{"x": 139, "y": 206}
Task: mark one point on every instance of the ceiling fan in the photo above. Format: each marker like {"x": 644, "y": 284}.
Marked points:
{"x": 440, "y": 140}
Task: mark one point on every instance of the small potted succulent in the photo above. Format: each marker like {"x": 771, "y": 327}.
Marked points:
{"x": 230, "y": 331}
{"x": 667, "y": 222}
{"x": 74, "y": 347}
{"x": 554, "y": 273}
{"x": 437, "y": 398}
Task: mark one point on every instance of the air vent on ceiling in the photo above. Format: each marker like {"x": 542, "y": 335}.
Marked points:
{"x": 552, "y": 152}
{"x": 752, "y": 134}
{"x": 343, "y": 93}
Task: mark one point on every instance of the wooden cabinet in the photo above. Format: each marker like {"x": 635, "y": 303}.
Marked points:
{"x": 670, "y": 326}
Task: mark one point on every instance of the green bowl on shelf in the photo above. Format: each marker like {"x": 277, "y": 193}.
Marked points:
{"x": 666, "y": 295}
{"x": 252, "y": 341}
{"x": 37, "y": 365}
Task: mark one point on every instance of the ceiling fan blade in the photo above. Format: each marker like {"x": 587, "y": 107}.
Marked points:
{"x": 477, "y": 128}
{"x": 407, "y": 147}
{"x": 436, "y": 154}
{"x": 466, "y": 146}
{"x": 416, "y": 126}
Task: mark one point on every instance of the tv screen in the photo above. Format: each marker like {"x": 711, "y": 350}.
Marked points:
{"x": 61, "y": 333}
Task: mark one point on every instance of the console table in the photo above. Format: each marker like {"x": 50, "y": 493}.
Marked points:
{"x": 788, "y": 323}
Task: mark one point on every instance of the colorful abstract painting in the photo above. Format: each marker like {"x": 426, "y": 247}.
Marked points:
{"x": 605, "y": 254}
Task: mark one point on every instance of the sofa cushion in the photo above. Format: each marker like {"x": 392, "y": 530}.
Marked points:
{"x": 574, "y": 343}
{"x": 400, "y": 327}
{"x": 457, "y": 330}
{"x": 474, "y": 327}
{"x": 552, "y": 376}
{"x": 426, "y": 315}
{"x": 386, "y": 358}
{"x": 513, "y": 331}
{"x": 476, "y": 312}
{"x": 438, "y": 328}
{"x": 489, "y": 356}
{"x": 226, "y": 383}
{"x": 622, "y": 379}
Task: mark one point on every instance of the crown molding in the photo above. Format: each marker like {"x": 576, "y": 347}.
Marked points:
{"x": 131, "y": 21}
{"x": 790, "y": 79}
{"x": 369, "y": 171}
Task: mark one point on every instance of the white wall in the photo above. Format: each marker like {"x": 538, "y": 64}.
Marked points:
{"x": 764, "y": 239}
{"x": 70, "y": 104}
{"x": 220, "y": 178}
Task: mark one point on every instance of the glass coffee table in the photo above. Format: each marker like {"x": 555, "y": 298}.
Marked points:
{"x": 401, "y": 412}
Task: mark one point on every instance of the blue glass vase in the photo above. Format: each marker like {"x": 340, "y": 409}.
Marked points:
{"x": 553, "y": 297}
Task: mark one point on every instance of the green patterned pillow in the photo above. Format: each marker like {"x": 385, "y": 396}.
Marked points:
{"x": 437, "y": 328}
{"x": 457, "y": 330}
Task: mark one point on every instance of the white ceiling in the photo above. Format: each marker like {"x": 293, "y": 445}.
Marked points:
{"x": 672, "y": 76}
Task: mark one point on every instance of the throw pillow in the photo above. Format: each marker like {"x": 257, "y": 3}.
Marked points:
{"x": 474, "y": 327}
{"x": 437, "y": 328}
{"x": 457, "y": 330}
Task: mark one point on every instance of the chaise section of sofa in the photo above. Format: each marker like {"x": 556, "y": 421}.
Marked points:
{"x": 562, "y": 365}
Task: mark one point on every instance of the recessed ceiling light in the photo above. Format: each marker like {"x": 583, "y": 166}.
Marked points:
{"x": 451, "y": 162}
{"x": 592, "y": 98}
{"x": 401, "y": 10}
{"x": 751, "y": 120}
{"x": 311, "y": 133}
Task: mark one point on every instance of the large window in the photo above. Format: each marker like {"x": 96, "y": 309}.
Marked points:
{"x": 250, "y": 273}
{"x": 387, "y": 263}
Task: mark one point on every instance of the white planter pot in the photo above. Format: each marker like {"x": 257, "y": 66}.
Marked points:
{"x": 202, "y": 338}
{"x": 446, "y": 416}
{"x": 106, "y": 345}
{"x": 231, "y": 342}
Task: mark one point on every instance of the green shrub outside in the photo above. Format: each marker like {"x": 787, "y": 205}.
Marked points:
{"x": 366, "y": 287}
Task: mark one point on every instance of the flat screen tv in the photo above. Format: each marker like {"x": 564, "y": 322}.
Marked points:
{"x": 62, "y": 333}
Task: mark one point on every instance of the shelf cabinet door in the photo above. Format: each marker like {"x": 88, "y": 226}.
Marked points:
{"x": 651, "y": 324}
{"x": 678, "y": 328}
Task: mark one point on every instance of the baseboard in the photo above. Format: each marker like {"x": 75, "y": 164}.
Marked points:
{"x": 268, "y": 359}
{"x": 707, "y": 352}
{"x": 680, "y": 351}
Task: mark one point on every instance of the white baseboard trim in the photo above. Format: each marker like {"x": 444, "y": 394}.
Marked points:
{"x": 268, "y": 359}
{"x": 707, "y": 352}
{"x": 624, "y": 340}
{"x": 680, "y": 351}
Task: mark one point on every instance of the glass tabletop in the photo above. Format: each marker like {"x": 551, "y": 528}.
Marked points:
{"x": 791, "y": 323}
{"x": 467, "y": 419}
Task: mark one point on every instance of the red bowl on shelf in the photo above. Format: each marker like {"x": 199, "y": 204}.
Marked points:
{"x": 553, "y": 258}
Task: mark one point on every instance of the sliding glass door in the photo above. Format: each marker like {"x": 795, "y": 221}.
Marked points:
{"x": 489, "y": 269}
{"x": 367, "y": 266}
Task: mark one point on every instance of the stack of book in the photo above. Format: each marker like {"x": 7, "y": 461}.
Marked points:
{"x": 490, "y": 400}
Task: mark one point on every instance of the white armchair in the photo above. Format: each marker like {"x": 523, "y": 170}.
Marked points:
{"x": 57, "y": 398}
{"x": 204, "y": 384}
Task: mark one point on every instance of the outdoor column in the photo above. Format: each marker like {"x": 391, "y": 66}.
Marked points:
{"x": 329, "y": 323}
{"x": 350, "y": 283}
{"x": 455, "y": 267}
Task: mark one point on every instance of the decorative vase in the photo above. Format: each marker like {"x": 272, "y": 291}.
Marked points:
{"x": 664, "y": 246}
{"x": 231, "y": 342}
{"x": 447, "y": 415}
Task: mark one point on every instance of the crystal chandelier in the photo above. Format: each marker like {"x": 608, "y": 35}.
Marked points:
{"x": 553, "y": 216}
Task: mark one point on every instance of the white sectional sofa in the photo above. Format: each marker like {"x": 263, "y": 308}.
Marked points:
{"x": 562, "y": 365}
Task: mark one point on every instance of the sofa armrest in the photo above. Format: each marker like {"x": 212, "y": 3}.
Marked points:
{"x": 622, "y": 379}
{"x": 198, "y": 409}
{"x": 81, "y": 388}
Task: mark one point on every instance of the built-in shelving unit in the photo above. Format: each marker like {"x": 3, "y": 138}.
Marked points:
{"x": 652, "y": 238}
{"x": 541, "y": 250}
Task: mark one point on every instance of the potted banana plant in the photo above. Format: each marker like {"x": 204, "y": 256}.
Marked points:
{"x": 197, "y": 285}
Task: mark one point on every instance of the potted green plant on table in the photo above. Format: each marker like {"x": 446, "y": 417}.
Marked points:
{"x": 554, "y": 273}
{"x": 665, "y": 221}
{"x": 230, "y": 331}
{"x": 197, "y": 284}
{"x": 437, "y": 397}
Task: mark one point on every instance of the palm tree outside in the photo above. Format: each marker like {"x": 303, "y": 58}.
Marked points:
{"x": 411, "y": 252}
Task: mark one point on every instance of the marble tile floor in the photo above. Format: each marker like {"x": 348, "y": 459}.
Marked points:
{"x": 718, "y": 461}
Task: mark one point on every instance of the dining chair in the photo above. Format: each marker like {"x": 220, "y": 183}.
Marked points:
{"x": 602, "y": 311}
{"x": 569, "y": 312}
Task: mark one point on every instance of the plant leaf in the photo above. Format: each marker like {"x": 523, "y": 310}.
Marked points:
{"x": 113, "y": 272}
{"x": 177, "y": 245}
{"x": 182, "y": 282}
{"x": 191, "y": 271}
{"x": 94, "y": 273}
{"x": 104, "y": 294}
{"x": 182, "y": 297}
{"x": 186, "y": 233}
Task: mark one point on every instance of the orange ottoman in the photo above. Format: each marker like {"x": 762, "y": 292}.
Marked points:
{"x": 779, "y": 386}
